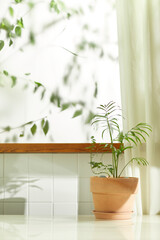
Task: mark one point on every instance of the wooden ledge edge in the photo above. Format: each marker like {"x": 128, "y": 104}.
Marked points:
{"x": 52, "y": 148}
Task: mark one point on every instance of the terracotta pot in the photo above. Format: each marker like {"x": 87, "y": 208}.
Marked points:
{"x": 113, "y": 197}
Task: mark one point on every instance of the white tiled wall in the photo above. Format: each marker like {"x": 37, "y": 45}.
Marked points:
{"x": 46, "y": 184}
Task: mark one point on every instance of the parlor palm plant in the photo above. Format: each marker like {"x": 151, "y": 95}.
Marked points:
{"x": 114, "y": 196}
{"x": 108, "y": 121}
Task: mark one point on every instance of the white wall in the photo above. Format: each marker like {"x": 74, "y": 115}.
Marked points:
{"x": 47, "y": 64}
{"x": 46, "y": 184}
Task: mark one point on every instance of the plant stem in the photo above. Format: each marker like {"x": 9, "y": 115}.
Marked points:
{"x": 113, "y": 155}
{"x": 125, "y": 166}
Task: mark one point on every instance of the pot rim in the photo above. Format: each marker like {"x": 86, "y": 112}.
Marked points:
{"x": 113, "y": 178}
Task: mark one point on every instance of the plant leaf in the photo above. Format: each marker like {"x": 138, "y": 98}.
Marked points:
{"x": 46, "y": 127}
{"x": 18, "y": 31}
{"x": 11, "y": 11}
{"x": 77, "y": 113}
{"x": 14, "y": 80}
{"x": 10, "y": 42}
{"x": 34, "y": 129}
{"x": 18, "y": 1}
{"x": 5, "y": 73}
{"x": 20, "y": 23}
{"x": 1, "y": 44}
{"x": 65, "y": 106}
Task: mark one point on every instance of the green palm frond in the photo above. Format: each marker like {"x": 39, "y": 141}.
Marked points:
{"x": 108, "y": 116}
{"x": 138, "y": 133}
{"x": 138, "y": 160}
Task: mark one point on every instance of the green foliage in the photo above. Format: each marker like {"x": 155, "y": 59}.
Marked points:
{"x": 77, "y": 113}
{"x": 55, "y": 99}
{"x": 108, "y": 121}
{"x": 46, "y": 127}
{"x": 18, "y": 1}
{"x": 14, "y": 80}
{"x": 20, "y": 23}
{"x": 12, "y": 29}
{"x": 32, "y": 38}
{"x": 96, "y": 90}
{"x": 18, "y": 31}
{"x": 65, "y": 106}
{"x": 54, "y": 5}
{"x": 1, "y": 44}
{"x": 89, "y": 117}
{"x": 11, "y": 11}
{"x": 5, "y": 73}
{"x": 10, "y": 42}
{"x": 33, "y": 129}
{"x": 7, "y": 129}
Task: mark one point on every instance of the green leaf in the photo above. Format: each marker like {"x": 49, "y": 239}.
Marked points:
{"x": 46, "y": 127}
{"x": 31, "y": 5}
{"x": 11, "y": 11}
{"x": 34, "y": 129}
{"x": 38, "y": 84}
{"x": 68, "y": 15}
{"x": 32, "y": 38}
{"x": 77, "y": 113}
{"x": 1, "y": 44}
{"x": 43, "y": 94}
{"x": 5, "y": 73}
{"x": 5, "y": 24}
{"x": 89, "y": 117}
{"x": 53, "y": 5}
{"x": 18, "y": 1}
{"x": 96, "y": 90}
{"x": 65, "y": 106}
{"x": 27, "y": 74}
{"x": 20, "y": 23}
{"x": 56, "y": 99}
{"x": 10, "y": 42}
{"x": 18, "y": 31}
{"x": 22, "y": 134}
{"x": 7, "y": 129}
{"x": 14, "y": 80}
{"x": 42, "y": 122}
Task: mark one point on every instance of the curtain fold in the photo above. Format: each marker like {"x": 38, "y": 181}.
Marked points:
{"x": 139, "y": 59}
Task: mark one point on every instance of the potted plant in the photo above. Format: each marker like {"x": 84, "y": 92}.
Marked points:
{"x": 114, "y": 195}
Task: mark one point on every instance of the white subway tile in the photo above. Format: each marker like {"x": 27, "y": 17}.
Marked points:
{"x": 65, "y": 165}
{"x": 65, "y": 190}
{"x": 1, "y": 208}
{"x": 1, "y": 189}
{"x": 15, "y": 165}
{"x": 40, "y": 209}
{"x": 1, "y": 165}
{"x": 41, "y": 190}
{"x": 84, "y": 169}
{"x": 40, "y": 165}
{"x": 85, "y": 208}
{"x": 65, "y": 209}
{"x": 15, "y": 209}
{"x": 84, "y": 166}
{"x": 16, "y": 190}
{"x": 84, "y": 194}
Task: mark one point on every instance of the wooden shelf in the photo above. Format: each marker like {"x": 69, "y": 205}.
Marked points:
{"x": 51, "y": 148}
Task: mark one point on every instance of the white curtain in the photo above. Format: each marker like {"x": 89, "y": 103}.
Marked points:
{"x": 139, "y": 58}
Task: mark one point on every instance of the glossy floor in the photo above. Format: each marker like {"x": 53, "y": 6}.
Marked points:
{"x": 81, "y": 228}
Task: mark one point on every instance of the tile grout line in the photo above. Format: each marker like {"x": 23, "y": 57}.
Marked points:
{"x": 3, "y": 184}
{"x": 28, "y": 195}
{"x": 52, "y": 209}
{"x": 78, "y": 184}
